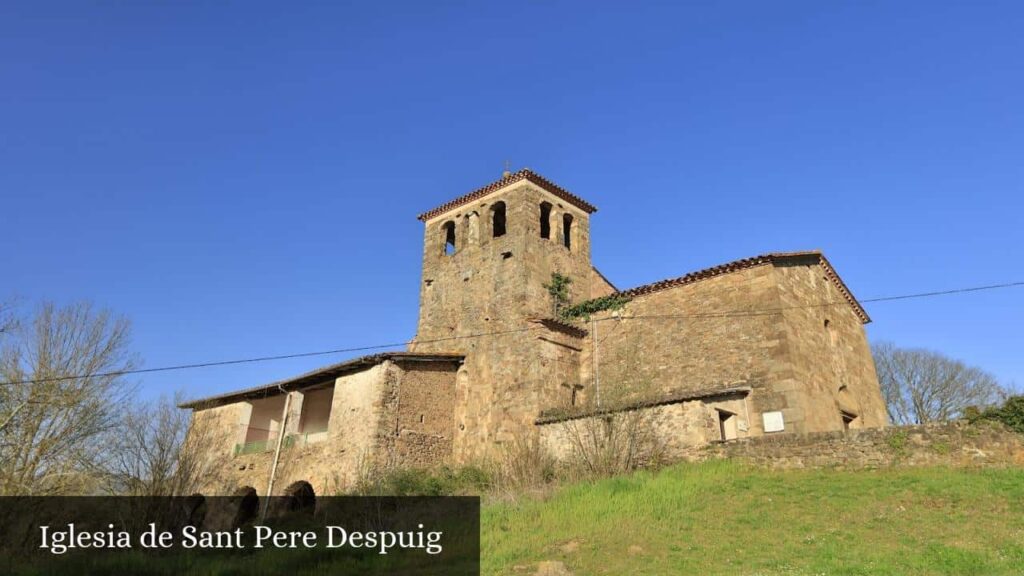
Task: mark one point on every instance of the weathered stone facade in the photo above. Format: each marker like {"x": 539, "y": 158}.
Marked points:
{"x": 984, "y": 444}
{"x": 386, "y": 410}
{"x": 766, "y": 345}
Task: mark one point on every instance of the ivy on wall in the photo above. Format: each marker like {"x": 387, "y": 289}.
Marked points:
{"x": 558, "y": 288}
{"x": 585, "y": 309}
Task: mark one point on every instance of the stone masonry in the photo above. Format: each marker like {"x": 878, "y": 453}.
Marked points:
{"x": 765, "y": 346}
{"x": 960, "y": 444}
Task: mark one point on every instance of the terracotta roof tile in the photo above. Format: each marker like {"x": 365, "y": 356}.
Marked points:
{"x": 771, "y": 258}
{"x": 524, "y": 174}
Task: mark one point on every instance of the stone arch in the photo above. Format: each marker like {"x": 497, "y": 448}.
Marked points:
{"x": 545, "y": 220}
{"x": 246, "y": 505}
{"x": 195, "y": 509}
{"x": 567, "y": 230}
{"x": 498, "y": 219}
{"x": 448, "y": 231}
{"x": 300, "y": 497}
{"x": 849, "y": 408}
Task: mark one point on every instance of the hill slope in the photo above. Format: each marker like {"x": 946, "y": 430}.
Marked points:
{"x": 721, "y": 518}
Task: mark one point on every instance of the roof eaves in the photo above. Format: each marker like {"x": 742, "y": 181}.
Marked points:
{"x": 561, "y": 326}
{"x": 745, "y": 263}
{"x": 318, "y": 375}
{"x": 673, "y": 398}
{"x": 603, "y": 277}
{"x": 524, "y": 174}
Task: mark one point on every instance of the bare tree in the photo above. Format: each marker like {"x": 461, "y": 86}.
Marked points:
{"x": 616, "y": 436}
{"x": 6, "y": 317}
{"x": 157, "y": 452}
{"x": 924, "y": 386}
{"x": 614, "y": 443}
{"x": 62, "y": 387}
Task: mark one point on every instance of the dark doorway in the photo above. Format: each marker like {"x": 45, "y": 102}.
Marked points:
{"x": 247, "y": 505}
{"x": 726, "y": 425}
{"x": 301, "y": 497}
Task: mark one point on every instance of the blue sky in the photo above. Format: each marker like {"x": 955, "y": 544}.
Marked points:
{"x": 242, "y": 179}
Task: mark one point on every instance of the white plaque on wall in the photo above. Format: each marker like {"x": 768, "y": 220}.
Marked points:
{"x": 773, "y": 422}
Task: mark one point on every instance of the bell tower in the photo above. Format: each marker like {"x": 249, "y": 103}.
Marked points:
{"x": 488, "y": 254}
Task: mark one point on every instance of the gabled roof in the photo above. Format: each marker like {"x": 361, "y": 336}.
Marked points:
{"x": 318, "y": 376}
{"x": 603, "y": 277}
{"x": 809, "y": 257}
{"x": 524, "y": 174}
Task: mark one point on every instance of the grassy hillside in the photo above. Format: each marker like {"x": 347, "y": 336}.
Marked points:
{"x": 721, "y": 518}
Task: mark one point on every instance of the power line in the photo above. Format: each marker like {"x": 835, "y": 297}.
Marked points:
{"x": 260, "y": 358}
{"x": 737, "y": 313}
{"x": 944, "y": 292}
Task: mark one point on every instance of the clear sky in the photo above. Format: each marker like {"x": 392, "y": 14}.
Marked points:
{"x": 243, "y": 179}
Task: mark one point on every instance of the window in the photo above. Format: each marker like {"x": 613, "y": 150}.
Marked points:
{"x": 726, "y": 425}
{"x": 545, "y": 220}
{"x": 567, "y": 231}
{"x": 498, "y": 219}
{"x": 848, "y": 419}
{"x": 316, "y": 410}
{"x": 449, "y": 238}
{"x": 264, "y": 423}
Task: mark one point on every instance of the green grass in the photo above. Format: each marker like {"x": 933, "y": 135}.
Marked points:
{"x": 722, "y": 518}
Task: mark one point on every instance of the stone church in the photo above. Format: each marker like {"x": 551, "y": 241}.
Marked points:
{"x": 772, "y": 344}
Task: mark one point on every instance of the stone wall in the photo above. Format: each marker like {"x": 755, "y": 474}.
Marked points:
{"x": 390, "y": 414}
{"x": 673, "y": 428}
{"x": 946, "y": 444}
{"x": 493, "y": 290}
{"x": 783, "y": 329}
{"x": 424, "y": 415}
{"x": 672, "y": 340}
{"x": 831, "y": 365}
{"x": 676, "y": 428}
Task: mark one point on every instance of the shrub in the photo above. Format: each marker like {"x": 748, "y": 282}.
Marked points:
{"x": 523, "y": 464}
{"x": 1011, "y": 413}
{"x": 897, "y": 441}
{"x": 444, "y": 481}
{"x": 611, "y": 444}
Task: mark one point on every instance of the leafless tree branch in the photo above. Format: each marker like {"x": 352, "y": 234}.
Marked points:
{"x": 51, "y": 433}
{"x": 923, "y": 386}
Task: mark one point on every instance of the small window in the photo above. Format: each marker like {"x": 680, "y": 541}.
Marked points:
{"x": 498, "y": 219}
{"x": 726, "y": 425}
{"x": 849, "y": 419}
{"x": 545, "y": 220}
{"x": 567, "y": 231}
{"x": 449, "y": 238}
